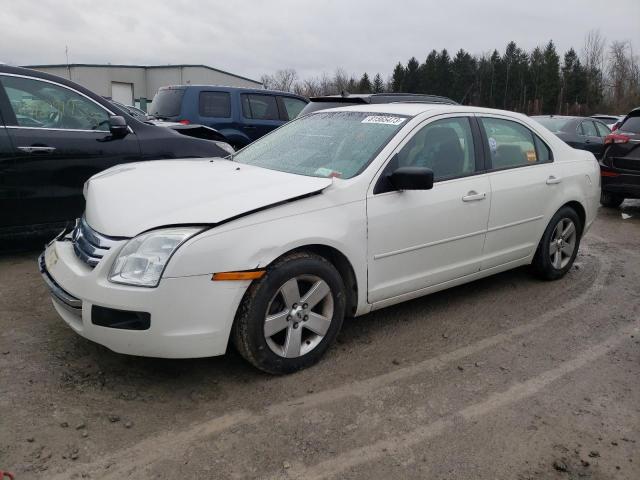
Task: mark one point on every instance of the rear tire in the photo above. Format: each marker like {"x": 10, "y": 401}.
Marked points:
{"x": 291, "y": 316}
{"x": 610, "y": 200}
{"x": 559, "y": 245}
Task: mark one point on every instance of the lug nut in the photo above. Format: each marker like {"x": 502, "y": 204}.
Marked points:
{"x": 305, "y": 306}
{"x": 295, "y": 305}
{"x": 288, "y": 317}
{"x": 295, "y": 325}
{"x": 306, "y": 317}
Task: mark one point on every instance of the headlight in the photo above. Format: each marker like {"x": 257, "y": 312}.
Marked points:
{"x": 142, "y": 260}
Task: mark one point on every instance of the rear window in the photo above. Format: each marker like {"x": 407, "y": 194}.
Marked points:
{"x": 554, "y": 124}
{"x": 214, "y": 104}
{"x": 631, "y": 125}
{"x": 167, "y": 102}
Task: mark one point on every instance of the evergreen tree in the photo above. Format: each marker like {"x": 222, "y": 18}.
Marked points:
{"x": 550, "y": 81}
{"x": 378, "y": 84}
{"x": 411, "y": 82}
{"x": 443, "y": 74}
{"x": 463, "y": 72}
{"x": 364, "y": 86}
{"x": 397, "y": 80}
{"x": 428, "y": 74}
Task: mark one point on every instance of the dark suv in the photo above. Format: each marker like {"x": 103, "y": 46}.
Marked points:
{"x": 347, "y": 99}
{"x": 55, "y": 134}
{"x": 242, "y": 115}
{"x": 620, "y": 164}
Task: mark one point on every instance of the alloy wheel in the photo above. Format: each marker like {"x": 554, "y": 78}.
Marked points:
{"x": 563, "y": 243}
{"x": 298, "y": 316}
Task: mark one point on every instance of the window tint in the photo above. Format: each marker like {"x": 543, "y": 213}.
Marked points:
{"x": 45, "y": 105}
{"x": 292, "y": 106}
{"x": 260, "y": 107}
{"x": 603, "y": 130}
{"x": 631, "y": 125}
{"x": 167, "y": 102}
{"x": 512, "y": 144}
{"x": 444, "y": 146}
{"x": 589, "y": 129}
{"x": 214, "y": 104}
{"x": 544, "y": 153}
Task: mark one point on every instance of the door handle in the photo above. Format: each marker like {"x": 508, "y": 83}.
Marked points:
{"x": 474, "y": 196}
{"x": 553, "y": 180}
{"x": 37, "y": 149}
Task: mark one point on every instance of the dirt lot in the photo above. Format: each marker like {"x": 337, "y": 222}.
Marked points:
{"x": 504, "y": 378}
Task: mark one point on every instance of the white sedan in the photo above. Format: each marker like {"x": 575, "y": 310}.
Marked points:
{"x": 333, "y": 215}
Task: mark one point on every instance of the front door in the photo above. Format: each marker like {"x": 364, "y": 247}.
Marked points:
{"x": 260, "y": 114}
{"x": 419, "y": 239}
{"x": 60, "y": 139}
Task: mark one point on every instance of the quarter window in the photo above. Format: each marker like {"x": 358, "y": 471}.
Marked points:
{"x": 214, "y": 104}
{"x": 46, "y": 105}
{"x": 292, "y": 106}
{"x": 603, "y": 130}
{"x": 512, "y": 144}
{"x": 445, "y": 146}
{"x": 259, "y": 107}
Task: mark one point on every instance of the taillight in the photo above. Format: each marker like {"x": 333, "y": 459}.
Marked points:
{"x": 615, "y": 138}
{"x": 607, "y": 173}
{"x": 184, "y": 122}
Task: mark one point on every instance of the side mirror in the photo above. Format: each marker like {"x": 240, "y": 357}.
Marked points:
{"x": 118, "y": 126}
{"x": 411, "y": 178}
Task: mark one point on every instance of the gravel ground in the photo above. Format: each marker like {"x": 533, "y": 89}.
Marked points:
{"x": 503, "y": 378}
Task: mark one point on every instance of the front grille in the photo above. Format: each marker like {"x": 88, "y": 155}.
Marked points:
{"x": 89, "y": 245}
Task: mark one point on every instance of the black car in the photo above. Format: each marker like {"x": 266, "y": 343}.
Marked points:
{"x": 55, "y": 134}
{"x": 620, "y": 165}
{"x": 347, "y": 99}
{"x": 583, "y": 133}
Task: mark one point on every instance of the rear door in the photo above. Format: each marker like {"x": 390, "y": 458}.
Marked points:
{"x": 60, "y": 138}
{"x": 593, "y": 142}
{"x": 524, "y": 183}
{"x": 260, "y": 114}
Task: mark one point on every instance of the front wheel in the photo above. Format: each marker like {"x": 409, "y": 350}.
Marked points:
{"x": 559, "y": 245}
{"x": 290, "y": 317}
{"x": 610, "y": 200}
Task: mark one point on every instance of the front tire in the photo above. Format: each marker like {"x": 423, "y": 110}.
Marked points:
{"x": 289, "y": 318}
{"x": 559, "y": 245}
{"x": 610, "y": 200}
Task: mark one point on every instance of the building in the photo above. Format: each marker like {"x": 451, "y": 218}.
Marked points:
{"x": 137, "y": 84}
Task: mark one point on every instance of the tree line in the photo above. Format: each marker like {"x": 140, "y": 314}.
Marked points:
{"x": 604, "y": 78}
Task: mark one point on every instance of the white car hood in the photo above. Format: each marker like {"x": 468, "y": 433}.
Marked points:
{"x": 132, "y": 198}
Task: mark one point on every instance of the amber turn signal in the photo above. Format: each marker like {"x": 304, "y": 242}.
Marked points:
{"x": 244, "y": 275}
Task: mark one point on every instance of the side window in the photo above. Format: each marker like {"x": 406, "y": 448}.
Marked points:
{"x": 512, "y": 144}
{"x": 445, "y": 146}
{"x": 603, "y": 130}
{"x": 589, "y": 129}
{"x": 259, "y": 107}
{"x": 214, "y": 104}
{"x": 45, "y": 105}
{"x": 292, "y": 106}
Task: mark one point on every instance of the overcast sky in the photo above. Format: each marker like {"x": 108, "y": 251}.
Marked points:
{"x": 254, "y": 37}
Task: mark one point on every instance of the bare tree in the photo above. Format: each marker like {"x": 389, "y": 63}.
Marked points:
{"x": 623, "y": 76}
{"x": 283, "y": 80}
{"x": 593, "y": 61}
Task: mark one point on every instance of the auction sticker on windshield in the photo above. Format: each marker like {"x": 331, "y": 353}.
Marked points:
{"x": 383, "y": 120}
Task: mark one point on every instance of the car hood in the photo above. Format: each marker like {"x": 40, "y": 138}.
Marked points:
{"x": 132, "y": 198}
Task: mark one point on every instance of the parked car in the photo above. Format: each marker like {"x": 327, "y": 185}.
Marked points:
{"x": 610, "y": 120}
{"x": 242, "y": 115}
{"x": 347, "y": 99}
{"x": 620, "y": 165}
{"x": 583, "y": 133}
{"x": 189, "y": 129}
{"x": 335, "y": 214}
{"x": 55, "y": 134}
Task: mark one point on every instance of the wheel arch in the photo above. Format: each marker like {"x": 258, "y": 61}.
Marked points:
{"x": 580, "y": 210}
{"x": 340, "y": 261}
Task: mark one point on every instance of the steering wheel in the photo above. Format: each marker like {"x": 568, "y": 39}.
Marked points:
{"x": 53, "y": 118}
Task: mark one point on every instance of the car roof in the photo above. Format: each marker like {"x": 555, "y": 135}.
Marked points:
{"x": 413, "y": 109}
{"x": 229, "y": 88}
{"x": 384, "y": 97}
